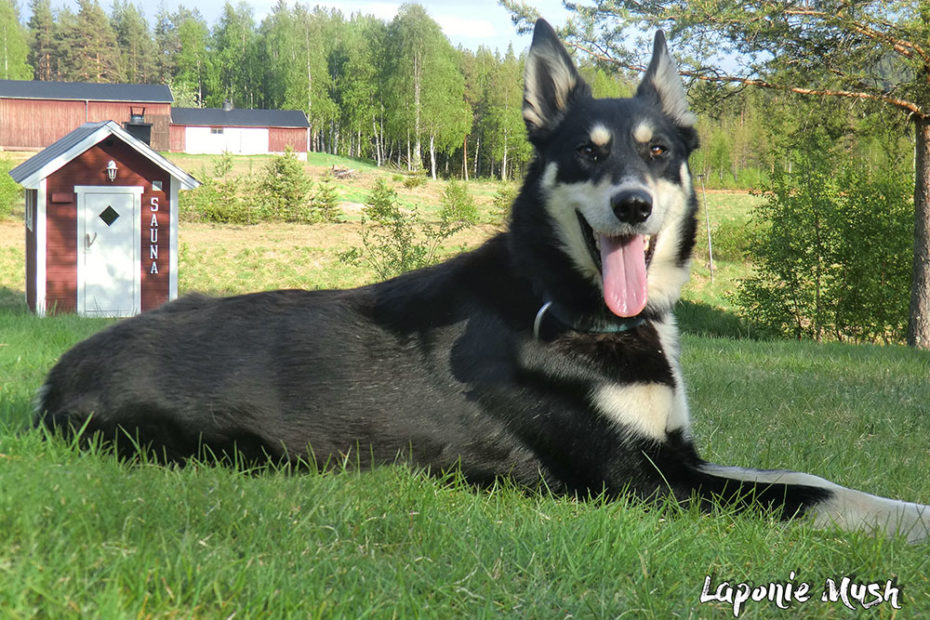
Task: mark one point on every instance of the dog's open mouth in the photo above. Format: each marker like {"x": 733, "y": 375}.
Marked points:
{"x": 623, "y": 261}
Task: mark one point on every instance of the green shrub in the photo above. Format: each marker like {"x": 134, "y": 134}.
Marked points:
{"x": 10, "y": 191}
{"x": 395, "y": 239}
{"x": 503, "y": 200}
{"x": 324, "y": 202}
{"x": 228, "y": 201}
{"x": 732, "y": 241}
{"x": 832, "y": 252}
{"x": 458, "y": 206}
{"x": 414, "y": 180}
{"x": 284, "y": 190}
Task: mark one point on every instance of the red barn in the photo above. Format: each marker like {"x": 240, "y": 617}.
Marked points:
{"x": 34, "y": 113}
{"x": 101, "y": 223}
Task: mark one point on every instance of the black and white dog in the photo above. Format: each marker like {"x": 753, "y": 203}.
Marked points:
{"x": 549, "y": 355}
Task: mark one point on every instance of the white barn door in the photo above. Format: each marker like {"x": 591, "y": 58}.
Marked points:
{"x": 109, "y": 271}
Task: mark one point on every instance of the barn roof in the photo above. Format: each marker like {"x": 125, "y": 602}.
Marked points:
{"x": 31, "y": 172}
{"x": 85, "y": 91}
{"x": 218, "y": 117}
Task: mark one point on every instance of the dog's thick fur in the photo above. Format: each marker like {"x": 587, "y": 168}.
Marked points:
{"x": 549, "y": 355}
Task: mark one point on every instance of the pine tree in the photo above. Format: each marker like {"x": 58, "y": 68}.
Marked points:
{"x": 42, "y": 30}
{"x": 86, "y": 45}
{"x": 137, "y": 48}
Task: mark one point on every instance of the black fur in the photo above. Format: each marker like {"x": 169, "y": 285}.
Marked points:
{"x": 439, "y": 367}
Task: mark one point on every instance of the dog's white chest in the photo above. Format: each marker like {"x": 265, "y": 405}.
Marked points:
{"x": 648, "y": 409}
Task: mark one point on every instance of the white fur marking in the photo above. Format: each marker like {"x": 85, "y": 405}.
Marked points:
{"x": 666, "y": 276}
{"x": 645, "y": 407}
{"x": 643, "y": 132}
{"x": 600, "y": 135}
{"x": 679, "y": 418}
{"x": 848, "y": 509}
{"x": 561, "y": 203}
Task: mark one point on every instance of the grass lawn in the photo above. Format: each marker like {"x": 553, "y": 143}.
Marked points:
{"x": 84, "y": 535}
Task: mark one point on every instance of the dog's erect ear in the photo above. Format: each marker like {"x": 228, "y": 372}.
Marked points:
{"x": 663, "y": 83}
{"x": 550, "y": 82}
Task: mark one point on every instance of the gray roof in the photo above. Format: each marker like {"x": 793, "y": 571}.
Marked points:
{"x": 30, "y": 173}
{"x": 85, "y": 91}
{"x": 218, "y": 117}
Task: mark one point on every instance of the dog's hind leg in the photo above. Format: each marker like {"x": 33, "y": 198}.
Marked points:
{"x": 827, "y": 503}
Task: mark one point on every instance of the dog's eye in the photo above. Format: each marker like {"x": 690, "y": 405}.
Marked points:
{"x": 657, "y": 150}
{"x": 590, "y": 152}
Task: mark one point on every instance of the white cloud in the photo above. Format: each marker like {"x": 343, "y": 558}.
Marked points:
{"x": 470, "y": 28}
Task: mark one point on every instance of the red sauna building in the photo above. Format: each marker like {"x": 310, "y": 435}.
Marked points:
{"x": 101, "y": 223}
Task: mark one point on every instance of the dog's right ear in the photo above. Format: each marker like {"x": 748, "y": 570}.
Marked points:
{"x": 550, "y": 82}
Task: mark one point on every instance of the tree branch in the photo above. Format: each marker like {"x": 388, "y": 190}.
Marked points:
{"x": 902, "y": 104}
{"x": 905, "y": 48}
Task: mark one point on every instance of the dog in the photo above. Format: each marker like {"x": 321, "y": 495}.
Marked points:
{"x": 549, "y": 355}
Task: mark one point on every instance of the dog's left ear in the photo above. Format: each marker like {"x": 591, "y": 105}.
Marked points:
{"x": 550, "y": 83}
{"x": 662, "y": 82}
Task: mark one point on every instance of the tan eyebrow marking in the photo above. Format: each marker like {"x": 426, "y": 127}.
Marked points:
{"x": 600, "y": 135}
{"x": 643, "y": 132}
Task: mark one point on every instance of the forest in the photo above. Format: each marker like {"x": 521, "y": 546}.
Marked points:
{"x": 393, "y": 91}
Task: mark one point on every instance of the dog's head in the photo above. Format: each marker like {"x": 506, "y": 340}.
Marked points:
{"x": 612, "y": 177}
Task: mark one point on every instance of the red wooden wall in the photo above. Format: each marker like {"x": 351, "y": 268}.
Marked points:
{"x": 62, "y": 252}
{"x": 19, "y": 127}
{"x": 281, "y": 137}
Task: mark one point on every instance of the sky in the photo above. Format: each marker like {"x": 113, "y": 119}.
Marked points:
{"x": 469, "y": 23}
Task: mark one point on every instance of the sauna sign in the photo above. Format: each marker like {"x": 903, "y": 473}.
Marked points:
{"x": 153, "y": 236}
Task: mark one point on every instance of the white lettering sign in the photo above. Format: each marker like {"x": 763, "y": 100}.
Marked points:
{"x": 153, "y": 235}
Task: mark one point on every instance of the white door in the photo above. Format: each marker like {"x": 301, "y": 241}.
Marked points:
{"x": 109, "y": 268}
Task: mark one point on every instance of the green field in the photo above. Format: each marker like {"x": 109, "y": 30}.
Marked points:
{"x": 82, "y": 535}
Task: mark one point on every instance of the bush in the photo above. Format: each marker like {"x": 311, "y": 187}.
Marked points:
{"x": 284, "y": 190}
{"x": 396, "y": 240}
{"x": 458, "y": 206}
{"x": 832, "y": 250}
{"x": 10, "y": 191}
{"x": 732, "y": 241}
{"x": 503, "y": 200}
{"x": 324, "y": 202}
{"x": 414, "y": 180}
{"x": 228, "y": 201}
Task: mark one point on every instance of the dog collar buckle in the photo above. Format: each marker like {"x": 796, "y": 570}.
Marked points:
{"x": 609, "y": 328}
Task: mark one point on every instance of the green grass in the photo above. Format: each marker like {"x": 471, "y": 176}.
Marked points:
{"x": 82, "y": 534}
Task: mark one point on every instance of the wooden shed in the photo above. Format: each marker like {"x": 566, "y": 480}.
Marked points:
{"x": 241, "y": 132}
{"x": 34, "y": 113}
{"x": 101, "y": 224}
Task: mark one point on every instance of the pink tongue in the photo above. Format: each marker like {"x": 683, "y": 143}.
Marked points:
{"x": 623, "y": 265}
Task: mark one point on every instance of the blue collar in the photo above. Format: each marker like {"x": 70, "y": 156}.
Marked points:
{"x": 613, "y": 327}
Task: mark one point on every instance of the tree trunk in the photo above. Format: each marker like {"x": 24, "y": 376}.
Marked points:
{"x": 417, "y": 109}
{"x": 918, "y": 328}
{"x": 432, "y": 156}
{"x": 465, "y": 159}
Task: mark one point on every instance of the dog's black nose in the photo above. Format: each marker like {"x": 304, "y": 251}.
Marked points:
{"x": 632, "y": 206}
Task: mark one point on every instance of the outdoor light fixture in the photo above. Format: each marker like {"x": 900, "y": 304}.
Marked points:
{"x": 111, "y": 170}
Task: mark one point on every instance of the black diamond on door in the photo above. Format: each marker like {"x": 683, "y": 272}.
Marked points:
{"x": 109, "y": 215}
